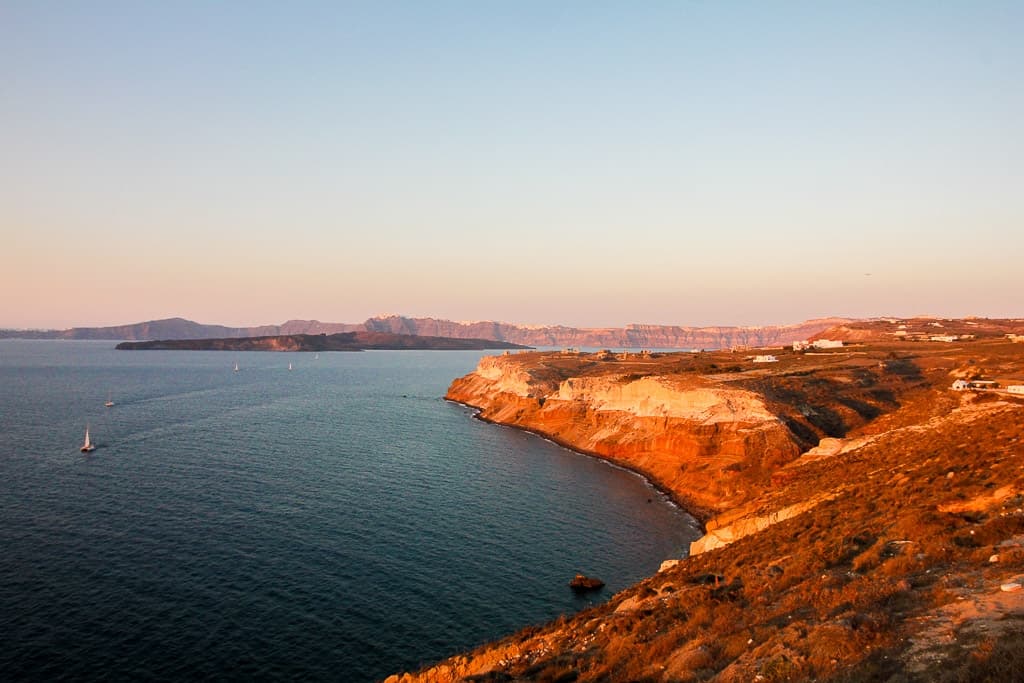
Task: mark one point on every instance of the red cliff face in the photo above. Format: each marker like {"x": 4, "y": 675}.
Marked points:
{"x": 899, "y": 525}
{"x": 704, "y": 442}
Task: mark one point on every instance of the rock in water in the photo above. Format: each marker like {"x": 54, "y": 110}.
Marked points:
{"x": 582, "y": 583}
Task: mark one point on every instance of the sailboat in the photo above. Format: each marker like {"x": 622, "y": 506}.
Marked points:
{"x": 236, "y": 366}
{"x": 88, "y": 445}
{"x": 316, "y": 357}
{"x": 289, "y": 366}
{"x": 110, "y": 402}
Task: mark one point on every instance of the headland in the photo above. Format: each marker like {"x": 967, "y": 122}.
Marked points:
{"x": 863, "y": 502}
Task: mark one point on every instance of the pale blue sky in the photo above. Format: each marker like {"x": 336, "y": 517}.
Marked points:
{"x": 584, "y": 163}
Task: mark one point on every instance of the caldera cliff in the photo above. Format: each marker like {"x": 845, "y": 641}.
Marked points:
{"x": 703, "y": 441}
{"x": 864, "y": 518}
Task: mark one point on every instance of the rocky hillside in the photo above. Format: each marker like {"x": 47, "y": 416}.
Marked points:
{"x": 864, "y": 521}
{"x": 921, "y": 329}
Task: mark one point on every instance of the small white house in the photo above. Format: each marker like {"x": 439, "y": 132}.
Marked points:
{"x": 961, "y": 385}
{"x": 1016, "y": 388}
{"x": 766, "y": 359}
{"x": 943, "y": 338}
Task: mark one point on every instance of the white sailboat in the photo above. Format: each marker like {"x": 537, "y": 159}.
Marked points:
{"x": 236, "y": 366}
{"x": 110, "y": 402}
{"x": 289, "y": 366}
{"x": 88, "y": 445}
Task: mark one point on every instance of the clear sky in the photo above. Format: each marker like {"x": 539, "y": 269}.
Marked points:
{"x": 585, "y": 163}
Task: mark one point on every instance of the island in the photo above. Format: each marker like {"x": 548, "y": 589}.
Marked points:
{"x": 342, "y": 341}
{"x": 862, "y": 496}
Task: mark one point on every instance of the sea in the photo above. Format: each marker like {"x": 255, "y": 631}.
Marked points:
{"x": 338, "y": 521}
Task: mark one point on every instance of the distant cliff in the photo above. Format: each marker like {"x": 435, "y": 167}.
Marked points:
{"x": 343, "y": 341}
{"x": 630, "y": 336}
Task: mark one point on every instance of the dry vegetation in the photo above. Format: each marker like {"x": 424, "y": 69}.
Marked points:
{"x": 895, "y": 576}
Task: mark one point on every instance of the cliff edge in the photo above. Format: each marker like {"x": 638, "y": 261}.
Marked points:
{"x": 702, "y": 440}
{"x": 864, "y": 519}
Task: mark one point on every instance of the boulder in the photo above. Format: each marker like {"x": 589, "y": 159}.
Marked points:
{"x": 582, "y": 584}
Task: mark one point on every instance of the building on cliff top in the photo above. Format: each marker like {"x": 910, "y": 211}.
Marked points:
{"x": 766, "y": 359}
{"x": 817, "y": 344}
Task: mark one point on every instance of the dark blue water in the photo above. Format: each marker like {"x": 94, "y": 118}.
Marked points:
{"x": 339, "y": 522}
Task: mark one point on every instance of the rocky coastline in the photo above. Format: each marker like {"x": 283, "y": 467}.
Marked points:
{"x": 851, "y": 502}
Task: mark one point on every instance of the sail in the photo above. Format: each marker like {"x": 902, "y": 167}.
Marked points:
{"x": 87, "y": 444}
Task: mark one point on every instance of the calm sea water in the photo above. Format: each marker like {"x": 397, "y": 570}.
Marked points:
{"x": 339, "y": 522}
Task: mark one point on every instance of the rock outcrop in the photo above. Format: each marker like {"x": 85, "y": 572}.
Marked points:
{"x": 582, "y": 583}
{"x": 891, "y": 549}
{"x": 703, "y": 441}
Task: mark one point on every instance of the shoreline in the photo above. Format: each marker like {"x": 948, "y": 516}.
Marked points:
{"x": 698, "y": 514}
{"x": 904, "y": 525}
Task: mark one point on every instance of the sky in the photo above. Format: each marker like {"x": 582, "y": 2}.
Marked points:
{"x": 580, "y": 163}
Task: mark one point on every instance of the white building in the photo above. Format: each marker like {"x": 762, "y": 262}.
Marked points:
{"x": 1016, "y": 388}
{"x": 766, "y": 359}
{"x": 961, "y": 385}
{"x": 943, "y": 338}
{"x": 827, "y": 344}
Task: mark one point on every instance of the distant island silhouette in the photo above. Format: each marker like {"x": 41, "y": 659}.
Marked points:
{"x": 342, "y": 341}
{"x": 631, "y": 336}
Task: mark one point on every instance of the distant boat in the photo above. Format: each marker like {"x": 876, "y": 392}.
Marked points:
{"x": 88, "y": 445}
{"x": 110, "y": 402}
{"x": 316, "y": 357}
{"x": 236, "y": 366}
{"x": 289, "y": 366}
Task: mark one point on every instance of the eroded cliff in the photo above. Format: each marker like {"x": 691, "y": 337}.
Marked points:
{"x": 703, "y": 441}
{"x": 711, "y": 429}
{"x": 890, "y": 548}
